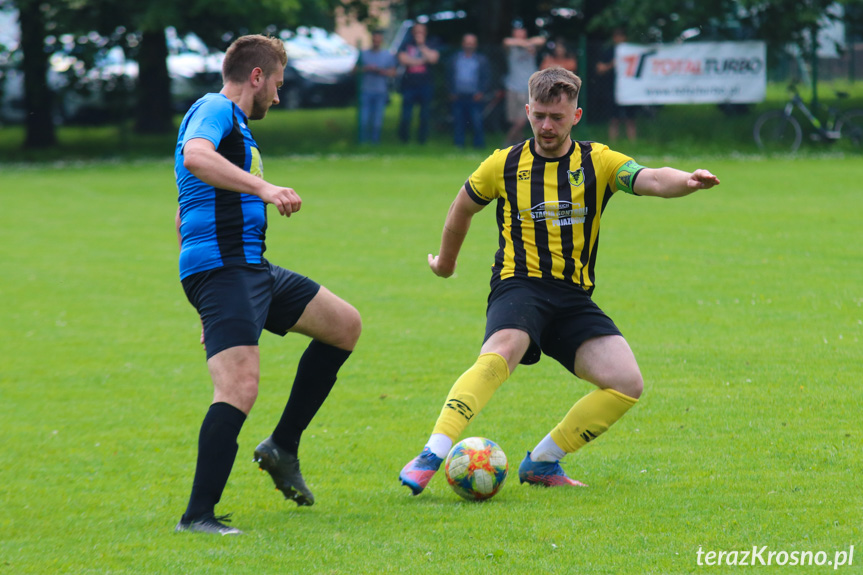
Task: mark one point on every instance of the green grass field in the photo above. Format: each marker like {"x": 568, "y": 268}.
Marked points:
{"x": 743, "y": 305}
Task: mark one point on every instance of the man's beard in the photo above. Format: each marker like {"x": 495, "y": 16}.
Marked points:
{"x": 259, "y": 109}
{"x": 558, "y": 142}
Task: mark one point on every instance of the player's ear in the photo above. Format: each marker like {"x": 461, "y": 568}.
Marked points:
{"x": 257, "y": 76}
{"x": 577, "y": 118}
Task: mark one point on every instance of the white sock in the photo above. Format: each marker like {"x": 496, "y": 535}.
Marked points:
{"x": 439, "y": 444}
{"x": 547, "y": 450}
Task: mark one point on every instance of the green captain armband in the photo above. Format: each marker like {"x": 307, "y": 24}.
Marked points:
{"x": 625, "y": 178}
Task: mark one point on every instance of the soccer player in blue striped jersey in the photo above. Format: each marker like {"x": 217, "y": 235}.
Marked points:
{"x": 550, "y": 193}
{"x": 221, "y": 226}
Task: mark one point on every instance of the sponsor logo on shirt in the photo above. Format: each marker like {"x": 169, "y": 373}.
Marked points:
{"x": 560, "y": 213}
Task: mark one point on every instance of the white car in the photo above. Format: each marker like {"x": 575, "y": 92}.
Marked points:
{"x": 106, "y": 91}
{"x": 320, "y": 70}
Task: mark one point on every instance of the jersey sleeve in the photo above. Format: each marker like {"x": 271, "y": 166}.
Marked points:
{"x": 213, "y": 120}
{"x": 619, "y": 170}
{"x": 483, "y": 186}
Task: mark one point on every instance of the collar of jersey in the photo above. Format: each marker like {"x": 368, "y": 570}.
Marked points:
{"x": 532, "y": 143}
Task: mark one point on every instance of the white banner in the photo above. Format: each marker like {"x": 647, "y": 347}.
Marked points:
{"x": 691, "y": 73}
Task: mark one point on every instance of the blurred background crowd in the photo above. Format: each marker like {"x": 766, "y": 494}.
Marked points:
{"x": 454, "y": 66}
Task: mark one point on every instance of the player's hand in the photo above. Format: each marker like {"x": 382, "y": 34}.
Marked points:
{"x": 702, "y": 180}
{"x": 286, "y": 200}
{"x": 202, "y": 337}
{"x": 441, "y": 268}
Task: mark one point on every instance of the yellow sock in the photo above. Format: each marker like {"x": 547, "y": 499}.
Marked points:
{"x": 470, "y": 393}
{"x": 590, "y": 417}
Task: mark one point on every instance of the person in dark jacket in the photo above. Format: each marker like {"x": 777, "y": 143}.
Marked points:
{"x": 468, "y": 81}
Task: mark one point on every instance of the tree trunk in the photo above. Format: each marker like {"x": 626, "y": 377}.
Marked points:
{"x": 495, "y": 22}
{"x": 38, "y": 95}
{"x": 154, "y": 113}
{"x": 593, "y": 97}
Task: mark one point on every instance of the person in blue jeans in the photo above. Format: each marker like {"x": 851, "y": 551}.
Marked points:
{"x": 468, "y": 79}
{"x": 418, "y": 57}
{"x": 377, "y": 66}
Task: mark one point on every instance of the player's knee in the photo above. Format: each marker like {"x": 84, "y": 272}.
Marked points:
{"x": 345, "y": 331}
{"x": 355, "y": 325}
{"x": 247, "y": 392}
{"x": 631, "y": 384}
{"x": 626, "y": 381}
{"x": 242, "y": 394}
{"x": 352, "y": 326}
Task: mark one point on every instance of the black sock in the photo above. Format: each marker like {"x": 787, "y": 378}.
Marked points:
{"x": 217, "y": 449}
{"x": 316, "y": 375}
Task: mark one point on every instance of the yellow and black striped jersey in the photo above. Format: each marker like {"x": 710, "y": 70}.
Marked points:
{"x": 549, "y": 210}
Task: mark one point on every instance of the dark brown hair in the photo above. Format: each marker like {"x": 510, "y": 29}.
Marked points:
{"x": 253, "y": 51}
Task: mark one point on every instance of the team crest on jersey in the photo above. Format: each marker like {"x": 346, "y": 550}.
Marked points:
{"x": 523, "y": 175}
{"x": 257, "y": 166}
{"x": 576, "y": 178}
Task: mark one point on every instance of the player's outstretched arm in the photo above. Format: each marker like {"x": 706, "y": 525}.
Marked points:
{"x": 672, "y": 183}
{"x": 454, "y": 231}
{"x": 208, "y": 165}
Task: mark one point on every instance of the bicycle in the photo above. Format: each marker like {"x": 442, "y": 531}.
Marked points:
{"x": 780, "y": 130}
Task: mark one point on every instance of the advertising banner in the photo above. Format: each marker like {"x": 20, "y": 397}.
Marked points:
{"x": 691, "y": 73}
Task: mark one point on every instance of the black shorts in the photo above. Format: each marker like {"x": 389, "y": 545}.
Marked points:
{"x": 237, "y": 302}
{"x": 557, "y": 316}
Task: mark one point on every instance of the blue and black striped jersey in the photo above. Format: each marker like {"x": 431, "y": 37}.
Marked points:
{"x": 219, "y": 227}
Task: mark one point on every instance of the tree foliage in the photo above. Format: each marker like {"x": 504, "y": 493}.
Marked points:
{"x": 779, "y": 22}
{"x": 139, "y": 28}
{"x": 215, "y": 22}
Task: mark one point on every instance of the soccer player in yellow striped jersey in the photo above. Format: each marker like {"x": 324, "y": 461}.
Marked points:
{"x": 550, "y": 193}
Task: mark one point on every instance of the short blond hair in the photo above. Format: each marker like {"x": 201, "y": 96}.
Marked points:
{"x": 547, "y": 86}
{"x": 253, "y": 51}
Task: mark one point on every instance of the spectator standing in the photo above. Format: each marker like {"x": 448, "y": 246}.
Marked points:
{"x": 377, "y": 65}
{"x": 606, "y": 82}
{"x": 560, "y": 56}
{"x": 418, "y": 57}
{"x": 468, "y": 80}
{"x": 521, "y": 53}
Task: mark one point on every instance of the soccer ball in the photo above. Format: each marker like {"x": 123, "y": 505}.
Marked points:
{"x": 476, "y": 468}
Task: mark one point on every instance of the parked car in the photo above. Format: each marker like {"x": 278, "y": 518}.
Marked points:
{"x": 105, "y": 91}
{"x": 319, "y": 71}
{"x": 194, "y": 68}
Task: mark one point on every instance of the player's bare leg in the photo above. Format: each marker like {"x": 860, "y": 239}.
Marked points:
{"x": 330, "y": 320}
{"x": 334, "y": 326}
{"x": 511, "y": 344}
{"x": 499, "y": 356}
{"x": 608, "y": 363}
{"x": 234, "y": 372}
